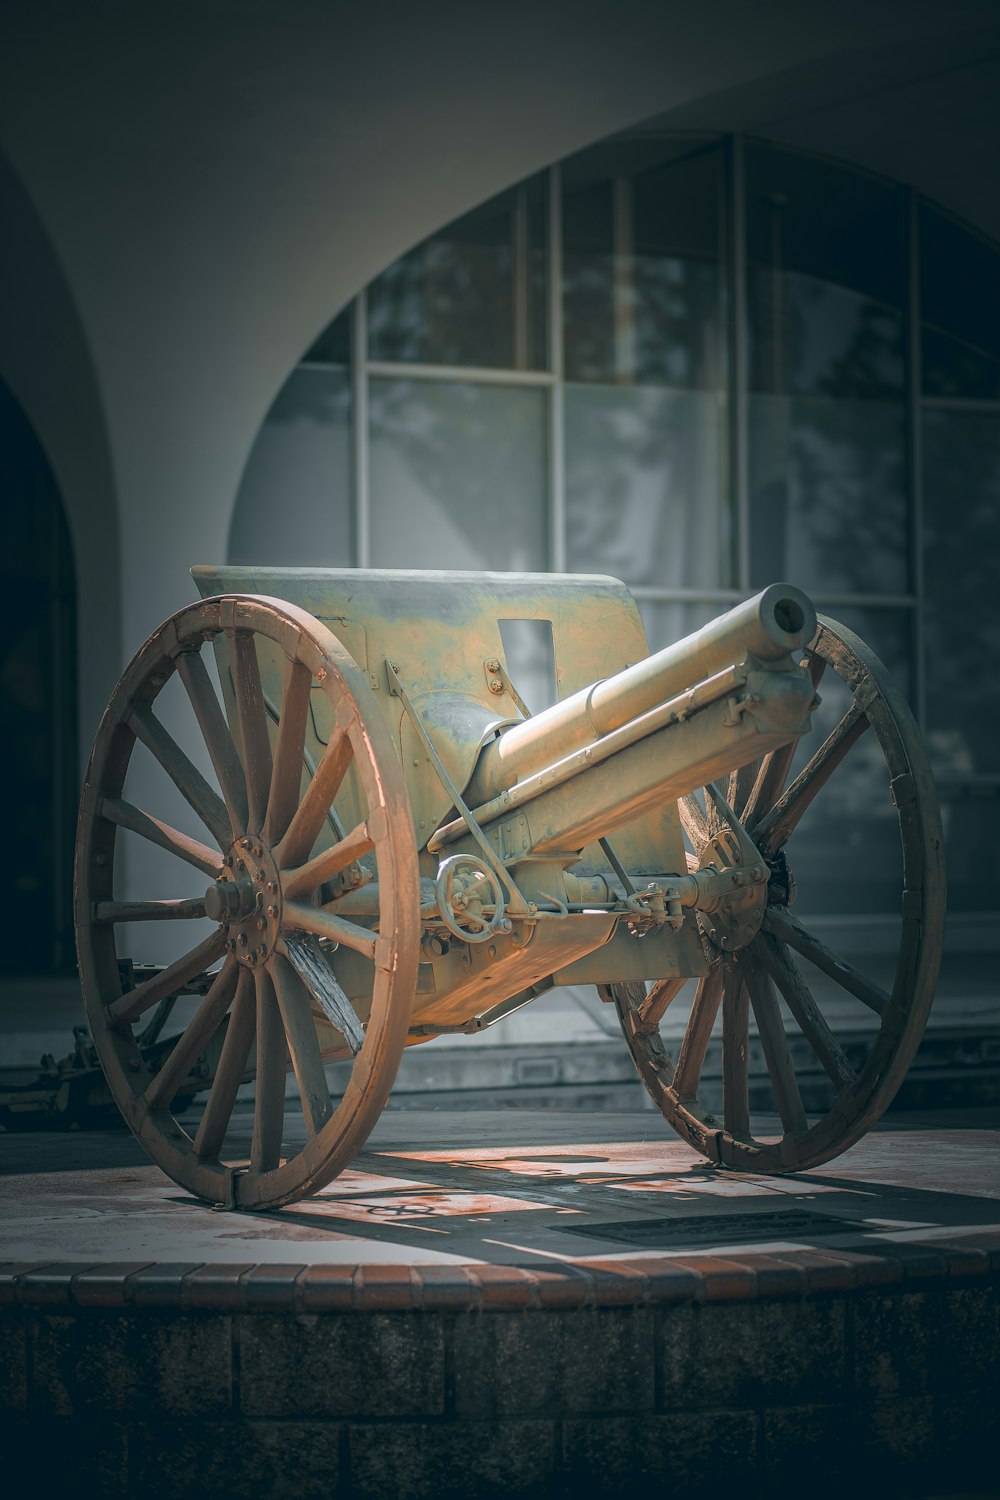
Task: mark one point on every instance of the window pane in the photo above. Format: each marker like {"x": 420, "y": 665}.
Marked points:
{"x": 644, "y": 485}
{"x": 642, "y": 285}
{"x": 473, "y": 294}
{"x": 826, "y": 281}
{"x": 959, "y": 281}
{"x": 962, "y": 624}
{"x": 832, "y": 225}
{"x": 971, "y": 835}
{"x": 458, "y": 475}
{"x": 294, "y": 504}
{"x": 333, "y": 347}
{"x": 954, "y": 367}
{"x": 828, "y": 494}
{"x": 668, "y": 621}
{"x": 845, "y": 853}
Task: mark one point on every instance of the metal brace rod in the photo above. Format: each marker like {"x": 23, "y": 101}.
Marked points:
{"x": 516, "y": 902}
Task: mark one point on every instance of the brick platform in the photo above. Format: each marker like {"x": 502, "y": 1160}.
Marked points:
{"x": 868, "y": 1363}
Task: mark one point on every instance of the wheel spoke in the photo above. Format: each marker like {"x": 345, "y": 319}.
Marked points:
{"x": 816, "y": 667}
{"x": 122, "y": 813}
{"x": 735, "y": 1052}
{"x": 232, "y": 1066}
{"x": 775, "y": 827}
{"x": 783, "y": 925}
{"x": 149, "y": 911}
{"x": 269, "y": 1103}
{"x": 252, "y": 715}
{"x": 302, "y": 832}
{"x": 771, "y": 778}
{"x": 215, "y": 732}
{"x": 191, "y": 1042}
{"x": 693, "y": 822}
{"x": 653, "y": 1008}
{"x": 774, "y": 1042}
{"x": 310, "y": 963}
{"x": 299, "y": 917}
{"x": 286, "y": 772}
{"x": 698, "y": 1032}
{"x": 330, "y": 862}
{"x": 783, "y": 969}
{"x": 168, "y": 981}
{"x": 186, "y": 778}
{"x": 741, "y": 782}
{"x": 300, "y": 1031}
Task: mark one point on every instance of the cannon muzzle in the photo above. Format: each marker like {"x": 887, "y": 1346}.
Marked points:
{"x": 767, "y": 627}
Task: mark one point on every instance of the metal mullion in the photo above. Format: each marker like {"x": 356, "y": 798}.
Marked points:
{"x": 864, "y": 601}
{"x": 479, "y": 374}
{"x": 663, "y": 595}
{"x": 915, "y": 456}
{"x": 739, "y": 474}
{"x": 556, "y": 404}
{"x": 981, "y": 404}
{"x": 359, "y": 409}
{"x": 822, "y": 598}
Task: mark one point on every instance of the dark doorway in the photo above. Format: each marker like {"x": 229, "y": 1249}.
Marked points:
{"x": 38, "y": 724}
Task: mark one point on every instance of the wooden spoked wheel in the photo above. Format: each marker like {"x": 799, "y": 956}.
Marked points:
{"x": 748, "y": 982}
{"x": 276, "y": 859}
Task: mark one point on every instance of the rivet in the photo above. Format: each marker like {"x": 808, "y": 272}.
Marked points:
{"x": 261, "y": 924}
{"x": 272, "y": 911}
{"x": 242, "y": 939}
{"x": 100, "y": 859}
{"x": 260, "y": 874}
{"x": 756, "y": 913}
{"x": 240, "y": 865}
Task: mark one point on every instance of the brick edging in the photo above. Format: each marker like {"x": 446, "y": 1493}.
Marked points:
{"x": 656, "y": 1281}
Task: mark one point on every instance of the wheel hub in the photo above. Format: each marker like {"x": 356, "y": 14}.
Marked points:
{"x": 246, "y": 901}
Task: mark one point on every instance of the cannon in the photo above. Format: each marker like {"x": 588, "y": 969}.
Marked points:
{"x": 378, "y": 844}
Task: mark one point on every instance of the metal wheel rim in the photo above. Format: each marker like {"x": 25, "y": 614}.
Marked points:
{"x": 308, "y": 648}
{"x": 858, "y": 1104}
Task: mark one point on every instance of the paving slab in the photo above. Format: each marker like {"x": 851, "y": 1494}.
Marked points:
{"x": 525, "y": 1188}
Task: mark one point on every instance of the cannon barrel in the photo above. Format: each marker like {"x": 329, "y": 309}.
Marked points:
{"x": 770, "y": 625}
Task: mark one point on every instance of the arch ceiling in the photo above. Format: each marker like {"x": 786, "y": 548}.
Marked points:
{"x": 217, "y": 177}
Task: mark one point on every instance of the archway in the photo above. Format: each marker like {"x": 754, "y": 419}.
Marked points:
{"x": 38, "y": 675}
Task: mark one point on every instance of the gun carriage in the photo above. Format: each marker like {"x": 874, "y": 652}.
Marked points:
{"x": 390, "y": 847}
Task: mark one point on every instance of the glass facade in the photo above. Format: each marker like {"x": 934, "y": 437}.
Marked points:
{"x": 702, "y": 365}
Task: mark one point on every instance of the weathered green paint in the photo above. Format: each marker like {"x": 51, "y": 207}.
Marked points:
{"x": 609, "y": 758}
